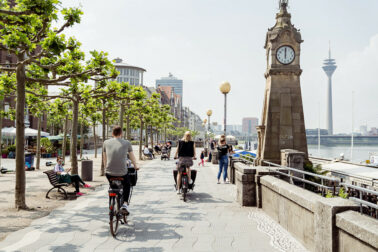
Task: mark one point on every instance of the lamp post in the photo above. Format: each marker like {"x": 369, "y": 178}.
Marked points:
{"x": 225, "y": 88}
{"x": 209, "y": 113}
{"x": 204, "y": 145}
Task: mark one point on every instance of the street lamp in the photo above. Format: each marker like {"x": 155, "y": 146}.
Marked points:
{"x": 225, "y": 88}
{"x": 209, "y": 113}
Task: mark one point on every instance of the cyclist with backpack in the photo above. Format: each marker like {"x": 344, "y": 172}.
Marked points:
{"x": 115, "y": 151}
{"x": 186, "y": 152}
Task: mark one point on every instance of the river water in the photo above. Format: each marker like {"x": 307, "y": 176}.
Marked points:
{"x": 360, "y": 153}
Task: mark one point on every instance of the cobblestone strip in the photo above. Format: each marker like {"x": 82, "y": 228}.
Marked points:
{"x": 280, "y": 238}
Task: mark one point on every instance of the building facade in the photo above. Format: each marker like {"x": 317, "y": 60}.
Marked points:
{"x": 169, "y": 97}
{"x": 10, "y": 103}
{"x": 129, "y": 73}
{"x": 173, "y": 82}
{"x": 249, "y": 125}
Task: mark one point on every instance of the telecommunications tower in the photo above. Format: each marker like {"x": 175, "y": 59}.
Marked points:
{"x": 329, "y": 68}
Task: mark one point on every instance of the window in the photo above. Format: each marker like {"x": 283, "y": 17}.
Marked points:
{"x": 127, "y": 71}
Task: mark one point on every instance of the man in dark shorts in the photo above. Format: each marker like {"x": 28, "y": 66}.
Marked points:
{"x": 115, "y": 151}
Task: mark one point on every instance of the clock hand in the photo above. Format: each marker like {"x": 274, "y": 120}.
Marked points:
{"x": 285, "y": 52}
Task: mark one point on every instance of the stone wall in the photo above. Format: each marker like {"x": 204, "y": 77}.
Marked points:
{"x": 320, "y": 224}
{"x": 356, "y": 232}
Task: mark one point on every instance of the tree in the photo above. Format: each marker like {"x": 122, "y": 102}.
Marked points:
{"x": 43, "y": 55}
{"x": 59, "y": 111}
{"x": 37, "y": 107}
{"x": 80, "y": 93}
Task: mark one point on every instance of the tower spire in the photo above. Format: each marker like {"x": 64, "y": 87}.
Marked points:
{"x": 329, "y": 49}
{"x": 283, "y": 3}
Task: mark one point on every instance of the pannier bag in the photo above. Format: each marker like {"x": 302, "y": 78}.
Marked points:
{"x": 133, "y": 176}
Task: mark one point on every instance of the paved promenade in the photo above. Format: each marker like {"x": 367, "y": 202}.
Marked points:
{"x": 159, "y": 220}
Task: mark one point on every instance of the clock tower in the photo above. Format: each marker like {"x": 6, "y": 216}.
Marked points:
{"x": 282, "y": 123}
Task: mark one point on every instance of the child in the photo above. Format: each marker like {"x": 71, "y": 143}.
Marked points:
{"x": 202, "y": 157}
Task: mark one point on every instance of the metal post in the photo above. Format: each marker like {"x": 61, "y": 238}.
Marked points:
{"x": 208, "y": 124}
{"x": 360, "y": 203}
{"x": 225, "y": 115}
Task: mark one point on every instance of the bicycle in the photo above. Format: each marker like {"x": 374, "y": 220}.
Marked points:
{"x": 185, "y": 186}
{"x": 116, "y": 215}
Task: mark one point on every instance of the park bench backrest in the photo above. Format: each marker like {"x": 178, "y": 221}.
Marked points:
{"x": 52, "y": 177}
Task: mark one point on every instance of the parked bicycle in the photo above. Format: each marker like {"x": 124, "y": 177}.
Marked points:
{"x": 118, "y": 215}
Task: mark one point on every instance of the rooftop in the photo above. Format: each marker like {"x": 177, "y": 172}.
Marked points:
{"x": 119, "y": 63}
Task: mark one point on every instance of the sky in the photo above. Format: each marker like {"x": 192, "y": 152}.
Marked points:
{"x": 206, "y": 42}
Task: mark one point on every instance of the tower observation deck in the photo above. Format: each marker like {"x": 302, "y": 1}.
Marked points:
{"x": 329, "y": 68}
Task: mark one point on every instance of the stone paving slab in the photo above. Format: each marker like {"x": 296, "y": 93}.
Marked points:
{"x": 160, "y": 221}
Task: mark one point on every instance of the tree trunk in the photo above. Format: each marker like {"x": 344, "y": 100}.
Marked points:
{"x": 152, "y": 136}
{"x": 95, "y": 138}
{"x": 146, "y": 133}
{"x": 128, "y": 129}
{"x": 20, "y": 202}
{"x": 81, "y": 136}
{"x": 121, "y": 113}
{"x": 141, "y": 139}
{"x": 37, "y": 166}
{"x": 102, "y": 173}
{"x": 65, "y": 129}
{"x": 75, "y": 115}
{"x": 165, "y": 133}
{"x": 107, "y": 128}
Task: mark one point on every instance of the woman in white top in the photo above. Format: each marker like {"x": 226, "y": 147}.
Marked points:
{"x": 64, "y": 177}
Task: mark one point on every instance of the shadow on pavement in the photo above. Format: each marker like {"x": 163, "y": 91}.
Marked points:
{"x": 204, "y": 198}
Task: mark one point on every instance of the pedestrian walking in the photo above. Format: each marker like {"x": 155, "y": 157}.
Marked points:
{"x": 202, "y": 157}
{"x": 224, "y": 149}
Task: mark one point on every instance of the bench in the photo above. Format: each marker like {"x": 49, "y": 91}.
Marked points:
{"x": 145, "y": 156}
{"x": 51, "y": 175}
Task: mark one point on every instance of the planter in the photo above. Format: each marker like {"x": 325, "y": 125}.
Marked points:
{"x": 4, "y": 155}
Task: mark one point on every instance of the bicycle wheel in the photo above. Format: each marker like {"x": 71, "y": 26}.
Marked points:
{"x": 114, "y": 216}
{"x": 184, "y": 187}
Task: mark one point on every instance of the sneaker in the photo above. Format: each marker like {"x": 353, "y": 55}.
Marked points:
{"x": 79, "y": 194}
{"x": 125, "y": 209}
{"x": 178, "y": 192}
{"x": 87, "y": 186}
{"x": 218, "y": 182}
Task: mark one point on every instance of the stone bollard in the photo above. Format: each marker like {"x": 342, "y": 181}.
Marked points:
{"x": 214, "y": 157}
{"x": 293, "y": 159}
{"x": 87, "y": 170}
{"x": 245, "y": 184}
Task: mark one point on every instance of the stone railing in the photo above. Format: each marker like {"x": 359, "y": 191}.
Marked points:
{"x": 320, "y": 224}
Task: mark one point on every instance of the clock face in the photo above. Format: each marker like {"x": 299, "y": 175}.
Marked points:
{"x": 285, "y": 55}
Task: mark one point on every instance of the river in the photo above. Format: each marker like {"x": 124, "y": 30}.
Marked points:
{"x": 360, "y": 153}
